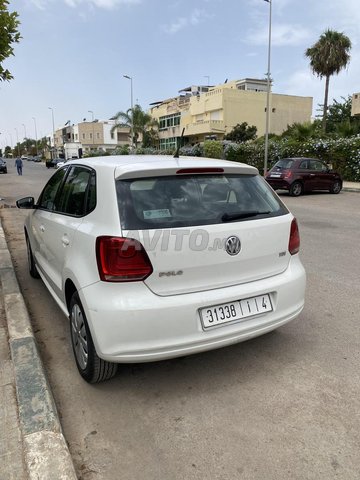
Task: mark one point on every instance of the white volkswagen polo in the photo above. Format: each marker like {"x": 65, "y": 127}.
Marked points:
{"x": 156, "y": 257}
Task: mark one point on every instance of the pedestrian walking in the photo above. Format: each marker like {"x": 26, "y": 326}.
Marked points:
{"x": 19, "y": 165}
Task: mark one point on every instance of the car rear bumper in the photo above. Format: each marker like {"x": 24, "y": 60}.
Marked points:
{"x": 134, "y": 325}
{"x": 278, "y": 184}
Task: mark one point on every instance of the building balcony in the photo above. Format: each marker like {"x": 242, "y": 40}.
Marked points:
{"x": 205, "y": 127}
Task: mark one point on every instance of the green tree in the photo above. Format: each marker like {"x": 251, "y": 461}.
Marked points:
{"x": 303, "y": 131}
{"x": 213, "y": 149}
{"x": 140, "y": 121}
{"x": 8, "y": 152}
{"x": 339, "y": 119}
{"x": 9, "y": 35}
{"x": 150, "y": 138}
{"x": 328, "y": 56}
{"x": 242, "y": 133}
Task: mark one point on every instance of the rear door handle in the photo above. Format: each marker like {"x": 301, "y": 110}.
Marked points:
{"x": 65, "y": 240}
{"x": 42, "y": 228}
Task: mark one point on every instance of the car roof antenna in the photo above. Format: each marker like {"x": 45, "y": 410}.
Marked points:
{"x": 179, "y": 144}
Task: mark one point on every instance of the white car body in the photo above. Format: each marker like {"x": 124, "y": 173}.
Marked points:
{"x": 160, "y": 317}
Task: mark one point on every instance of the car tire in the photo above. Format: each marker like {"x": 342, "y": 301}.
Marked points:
{"x": 5, "y": 171}
{"x": 92, "y": 368}
{"x": 336, "y": 187}
{"x": 296, "y": 189}
{"x": 31, "y": 262}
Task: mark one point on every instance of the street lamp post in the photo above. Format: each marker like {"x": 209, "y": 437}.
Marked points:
{"x": 53, "y": 125}
{"x": 11, "y": 144}
{"x": 36, "y": 139}
{"x": 268, "y": 93}
{"x": 132, "y": 109}
{"x": 92, "y": 119}
{"x": 17, "y": 141}
{"x": 23, "y": 124}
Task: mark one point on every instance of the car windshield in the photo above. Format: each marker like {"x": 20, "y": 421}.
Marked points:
{"x": 283, "y": 164}
{"x": 189, "y": 200}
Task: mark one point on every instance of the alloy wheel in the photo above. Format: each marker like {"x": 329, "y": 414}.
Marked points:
{"x": 79, "y": 336}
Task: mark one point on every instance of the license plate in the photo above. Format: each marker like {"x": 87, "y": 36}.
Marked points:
{"x": 275, "y": 175}
{"x": 228, "y": 312}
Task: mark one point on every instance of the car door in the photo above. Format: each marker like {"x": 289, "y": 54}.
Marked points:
{"x": 41, "y": 222}
{"x": 319, "y": 177}
{"x": 69, "y": 209}
{"x": 303, "y": 173}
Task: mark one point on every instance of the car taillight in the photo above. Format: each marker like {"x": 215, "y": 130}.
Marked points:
{"x": 287, "y": 174}
{"x": 294, "y": 240}
{"x": 122, "y": 259}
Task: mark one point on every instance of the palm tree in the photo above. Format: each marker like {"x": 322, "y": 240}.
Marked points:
{"x": 140, "y": 121}
{"x": 302, "y": 131}
{"x": 328, "y": 56}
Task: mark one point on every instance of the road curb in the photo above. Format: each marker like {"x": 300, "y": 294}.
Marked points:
{"x": 46, "y": 454}
{"x": 350, "y": 189}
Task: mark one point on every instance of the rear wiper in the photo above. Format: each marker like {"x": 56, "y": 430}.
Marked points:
{"x": 228, "y": 217}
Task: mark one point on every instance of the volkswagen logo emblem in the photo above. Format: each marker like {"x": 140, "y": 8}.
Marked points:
{"x": 233, "y": 245}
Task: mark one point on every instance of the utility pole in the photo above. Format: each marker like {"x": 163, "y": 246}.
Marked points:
{"x": 132, "y": 110}
{"x": 268, "y": 93}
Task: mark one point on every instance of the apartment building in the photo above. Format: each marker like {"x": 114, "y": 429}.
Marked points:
{"x": 355, "y": 104}
{"x": 213, "y": 111}
{"x": 92, "y": 136}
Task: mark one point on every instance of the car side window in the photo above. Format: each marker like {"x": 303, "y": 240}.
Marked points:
{"x": 48, "y": 195}
{"x": 91, "y": 193}
{"x": 304, "y": 165}
{"x": 74, "y": 196}
{"x": 316, "y": 165}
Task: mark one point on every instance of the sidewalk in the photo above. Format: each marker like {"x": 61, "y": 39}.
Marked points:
{"x": 351, "y": 186}
{"x": 32, "y": 444}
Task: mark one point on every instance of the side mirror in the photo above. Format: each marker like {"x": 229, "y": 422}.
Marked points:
{"x": 26, "y": 202}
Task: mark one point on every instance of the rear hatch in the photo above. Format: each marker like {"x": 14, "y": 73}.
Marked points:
{"x": 282, "y": 169}
{"x": 205, "y": 231}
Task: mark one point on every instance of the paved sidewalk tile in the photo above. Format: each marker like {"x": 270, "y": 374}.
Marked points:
{"x": 11, "y": 448}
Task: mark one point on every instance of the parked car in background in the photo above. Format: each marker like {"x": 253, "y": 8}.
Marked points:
{"x": 60, "y": 164}
{"x": 37, "y": 158}
{"x": 53, "y": 162}
{"x": 158, "y": 257}
{"x": 3, "y": 167}
{"x": 301, "y": 175}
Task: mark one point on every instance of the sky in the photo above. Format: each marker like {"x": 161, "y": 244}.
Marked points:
{"x": 73, "y": 54}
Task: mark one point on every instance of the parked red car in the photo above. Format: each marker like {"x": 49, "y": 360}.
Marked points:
{"x": 300, "y": 175}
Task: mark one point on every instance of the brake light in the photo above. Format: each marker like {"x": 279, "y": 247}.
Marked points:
{"x": 199, "y": 170}
{"x": 122, "y": 260}
{"x": 294, "y": 240}
{"x": 287, "y": 174}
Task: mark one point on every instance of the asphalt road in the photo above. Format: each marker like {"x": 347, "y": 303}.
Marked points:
{"x": 282, "y": 406}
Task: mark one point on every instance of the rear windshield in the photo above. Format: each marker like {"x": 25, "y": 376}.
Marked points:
{"x": 189, "y": 200}
{"x": 284, "y": 163}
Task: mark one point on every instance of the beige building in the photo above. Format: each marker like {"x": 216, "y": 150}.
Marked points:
{"x": 355, "y": 104}
{"x": 212, "y": 112}
{"x": 92, "y": 136}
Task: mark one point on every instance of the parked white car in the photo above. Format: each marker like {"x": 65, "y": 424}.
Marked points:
{"x": 154, "y": 257}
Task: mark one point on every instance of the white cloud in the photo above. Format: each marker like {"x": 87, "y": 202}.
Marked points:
{"x": 282, "y": 35}
{"x": 196, "y": 16}
{"x": 105, "y": 4}
{"x": 40, "y": 4}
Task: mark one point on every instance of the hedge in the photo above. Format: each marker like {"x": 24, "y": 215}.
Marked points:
{"x": 343, "y": 154}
